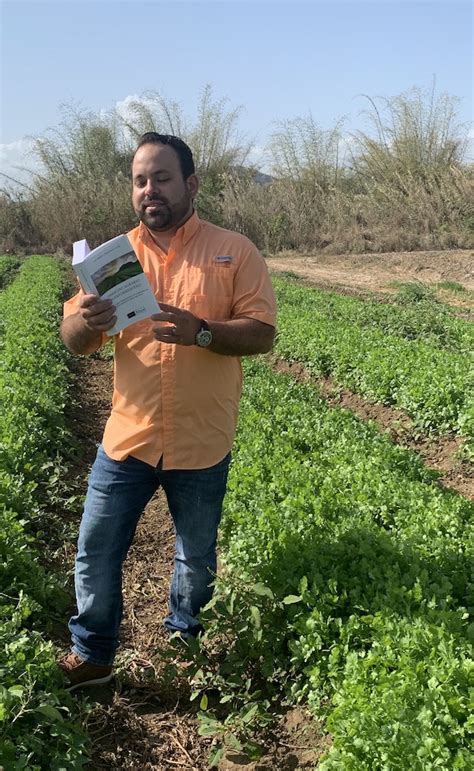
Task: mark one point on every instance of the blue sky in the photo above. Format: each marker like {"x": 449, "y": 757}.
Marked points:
{"x": 278, "y": 60}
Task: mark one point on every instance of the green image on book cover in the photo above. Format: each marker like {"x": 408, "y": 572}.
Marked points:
{"x": 116, "y": 272}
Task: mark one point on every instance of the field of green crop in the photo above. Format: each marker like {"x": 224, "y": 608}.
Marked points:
{"x": 347, "y": 580}
{"x": 415, "y": 357}
{"x": 8, "y": 267}
{"x": 350, "y": 573}
{"x": 36, "y": 731}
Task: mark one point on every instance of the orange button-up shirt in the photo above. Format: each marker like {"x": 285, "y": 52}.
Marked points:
{"x": 181, "y": 402}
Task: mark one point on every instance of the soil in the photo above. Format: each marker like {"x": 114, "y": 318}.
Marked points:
{"x": 362, "y": 273}
{"x": 145, "y": 720}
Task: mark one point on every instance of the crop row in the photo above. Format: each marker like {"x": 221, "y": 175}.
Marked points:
{"x": 34, "y": 733}
{"x": 432, "y": 384}
{"x": 8, "y": 266}
{"x": 425, "y": 319}
{"x": 349, "y": 573}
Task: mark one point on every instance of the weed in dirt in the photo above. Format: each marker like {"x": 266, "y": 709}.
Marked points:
{"x": 452, "y": 286}
{"x": 290, "y": 274}
{"x": 414, "y": 292}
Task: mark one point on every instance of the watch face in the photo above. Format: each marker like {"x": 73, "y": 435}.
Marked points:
{"x": 203, "y": 338}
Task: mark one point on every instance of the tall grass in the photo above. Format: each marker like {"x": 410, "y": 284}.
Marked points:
{"x": 83, "y": 189}
{"x": 412, "y": 171}
{"x": 402, "y": 184}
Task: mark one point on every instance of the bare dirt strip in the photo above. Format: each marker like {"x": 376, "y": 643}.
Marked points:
{"x": 362, "y": 273}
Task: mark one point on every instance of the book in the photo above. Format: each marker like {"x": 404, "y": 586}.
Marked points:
{"x": 113, "y": 271}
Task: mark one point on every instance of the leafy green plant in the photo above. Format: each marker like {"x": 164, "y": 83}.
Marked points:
{"x": 452, "y": 286}
{"x": 415, "y": 292}
{"x": 239, "y": 668}
{"x": 8, "y": 266}
{"x": 37, "y": 728}
{"x": 431, "y": 322}
{"x": 347, "y": 585}
{"x": 414, "y": 358}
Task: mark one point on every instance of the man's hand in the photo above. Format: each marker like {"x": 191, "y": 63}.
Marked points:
{"x": 235, "y": 337}
{"x": 98, "y": 315}
{"x": 182, "y": 326}
{"x": 82, "y": 332}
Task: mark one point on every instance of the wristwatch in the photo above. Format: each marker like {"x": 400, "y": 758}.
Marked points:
{"x": 204, "y": 336}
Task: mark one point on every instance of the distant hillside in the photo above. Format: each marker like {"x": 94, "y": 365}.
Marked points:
{"x": 262, "y": 179}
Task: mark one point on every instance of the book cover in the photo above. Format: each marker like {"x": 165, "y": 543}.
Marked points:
{"x": 113, "y": 271}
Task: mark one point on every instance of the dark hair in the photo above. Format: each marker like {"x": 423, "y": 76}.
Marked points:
{"x": 186, "y": 160}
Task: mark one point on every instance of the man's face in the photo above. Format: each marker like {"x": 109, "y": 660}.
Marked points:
{"x": 162, "y": 199}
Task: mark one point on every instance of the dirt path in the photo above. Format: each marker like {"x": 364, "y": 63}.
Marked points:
{"x": 138, "y": 722}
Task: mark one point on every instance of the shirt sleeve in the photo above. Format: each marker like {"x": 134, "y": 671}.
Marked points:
{"x": 71, "y": 306}
{"x": 253, "y": 291}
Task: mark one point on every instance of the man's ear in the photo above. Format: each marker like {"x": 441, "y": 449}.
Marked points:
{"x": 192, "y": 184}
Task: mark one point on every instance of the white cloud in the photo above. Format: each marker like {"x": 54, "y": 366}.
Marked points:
{"x": 124, "y": 106}
{"x": 17, "y": 163}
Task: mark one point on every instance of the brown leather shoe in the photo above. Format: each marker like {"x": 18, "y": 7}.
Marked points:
{"x": 80, "y": 673}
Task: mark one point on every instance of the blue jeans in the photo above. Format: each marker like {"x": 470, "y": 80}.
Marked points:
{"x": 117, "y": 494}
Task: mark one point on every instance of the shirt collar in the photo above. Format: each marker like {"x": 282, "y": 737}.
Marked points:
{"x": 190, "y": 227}
{"x": 183, "y": 234}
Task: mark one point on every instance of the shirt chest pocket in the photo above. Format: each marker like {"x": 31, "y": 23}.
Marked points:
{"x": 209, "y": 293}
{"x": 215, "y": 307}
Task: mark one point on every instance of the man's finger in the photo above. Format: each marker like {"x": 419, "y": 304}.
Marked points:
{"x": 89, "y": 299}
{"x": 95, "y": 309}
{"x": 168, "y": 308}
{"x": 101, "y": 321}
{"x": 164, "y": 317}
{"x": 105, "y": 326}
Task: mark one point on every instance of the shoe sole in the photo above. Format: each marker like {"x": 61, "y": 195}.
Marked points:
{"x": 87, "y": 683}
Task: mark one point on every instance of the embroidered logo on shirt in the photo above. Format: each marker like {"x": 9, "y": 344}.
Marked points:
{"x": 223, "y": 258}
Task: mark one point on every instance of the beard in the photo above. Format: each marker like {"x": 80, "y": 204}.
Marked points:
{"x": 167, "y": 215}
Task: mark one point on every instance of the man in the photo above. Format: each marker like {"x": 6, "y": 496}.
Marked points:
{"x": 177, "y": 385}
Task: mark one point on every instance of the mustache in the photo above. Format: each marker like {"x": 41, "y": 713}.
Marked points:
{"x": 154, "y": 199}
